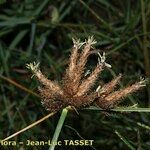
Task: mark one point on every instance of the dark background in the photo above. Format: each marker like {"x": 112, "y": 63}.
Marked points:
{"x": 42, "y": 31}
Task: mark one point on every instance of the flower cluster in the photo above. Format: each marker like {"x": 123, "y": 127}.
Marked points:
{"x": 77, "y": 89}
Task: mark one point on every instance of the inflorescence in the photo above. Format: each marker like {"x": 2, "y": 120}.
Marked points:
{"x": 76, "y": 89}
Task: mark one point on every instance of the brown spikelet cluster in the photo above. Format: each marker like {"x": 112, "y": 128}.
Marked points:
{"x": 77, "y": 89}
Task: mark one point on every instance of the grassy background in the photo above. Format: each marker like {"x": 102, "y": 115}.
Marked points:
{"x": 34, "y": 30}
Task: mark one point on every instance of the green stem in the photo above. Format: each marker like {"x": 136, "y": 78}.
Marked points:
{"x": 121, "y": 109}
{"x": 58, "y": 128}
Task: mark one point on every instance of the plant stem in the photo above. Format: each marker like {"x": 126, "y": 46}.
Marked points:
{"x": 58, "y": 128}
{"x": 121, "y": 109}
{"x": 145, "y": 48}
{"x": 28, "y": 127}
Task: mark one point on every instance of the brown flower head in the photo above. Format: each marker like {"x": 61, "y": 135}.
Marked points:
{"x": 76, "y": 88}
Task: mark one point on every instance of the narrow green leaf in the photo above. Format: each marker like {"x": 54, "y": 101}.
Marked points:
{"x": 143, "y": 125}
{"x": 124, "y": 140}
{"x": 121, "y": 109}
{"x": 33, "y": 30}
{"x": 15, "y": 21}
{"x": 40, "y": 8}
{"x": 17, "y": 39}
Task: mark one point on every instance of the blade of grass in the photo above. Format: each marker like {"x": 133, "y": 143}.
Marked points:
{"x": 40, "y": 8}
{"x": 17, "y": 39}
{"x": 126, "y": 42}
{"x": 33, "y": 30}
{"x": 6, "y": 55}
{"x": 121, "y": 109}
{"x": 64, "y": 11}
{"x": 106, "y": 25}
{"x": 6, "y": 103}
{"x": 59, "y": 127}
{"x": 124, "y": 140}
{"x": 4, "y": 32}
{"x": 8, "y": 108}
{"x": 143, "y": 125}
{"x": 18, "y": 85}
{"x": 28, "y": 127}
{"x": 15, "y": 21}
{"x": 3, "y": 60}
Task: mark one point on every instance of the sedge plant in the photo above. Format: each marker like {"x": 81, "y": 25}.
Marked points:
{"x": 77, "y": 90}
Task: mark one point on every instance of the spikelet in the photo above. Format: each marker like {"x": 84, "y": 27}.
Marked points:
{"x": 110, "y": 100}
{"x": 83, "y": 60}
{"x": 109, "y": 87}
{"x": 73, "y": 58}
{"x": 71, "y": 71}
{"x": 53, "y": 86}
{"x": 85, "y": 53}
{"x": 90, "y": 81}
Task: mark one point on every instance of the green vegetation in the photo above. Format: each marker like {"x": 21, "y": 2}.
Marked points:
{"x": 42, "y": 31}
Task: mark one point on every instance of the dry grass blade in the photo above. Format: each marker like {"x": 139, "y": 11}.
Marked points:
{"x": 18, "y": 85}
{"x": 28, "y": 127}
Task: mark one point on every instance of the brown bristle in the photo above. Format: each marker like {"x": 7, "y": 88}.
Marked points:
{"x": 110, "y": 100}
